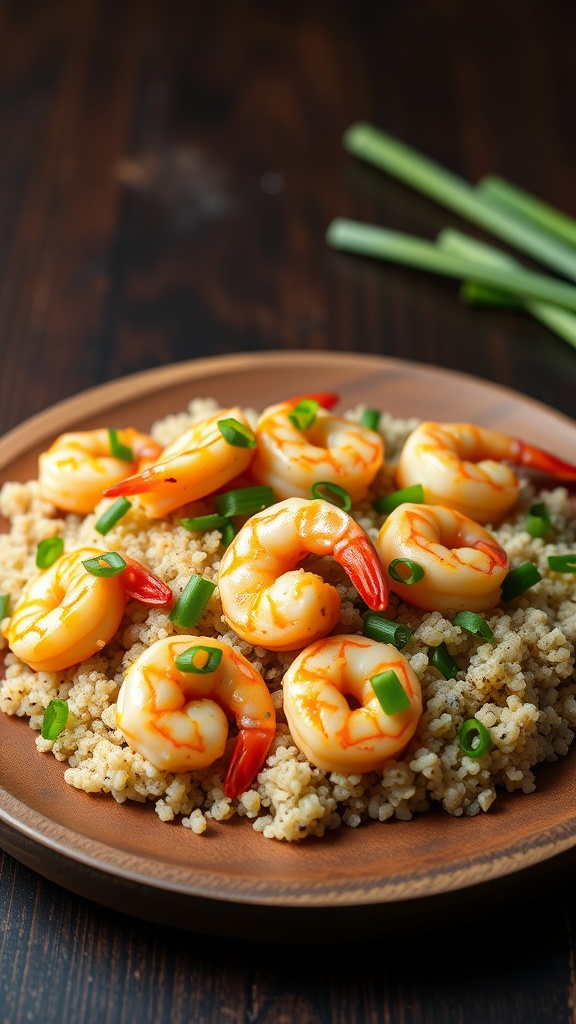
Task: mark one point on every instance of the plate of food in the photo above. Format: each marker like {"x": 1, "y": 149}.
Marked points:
{"x": 289, "y": 638}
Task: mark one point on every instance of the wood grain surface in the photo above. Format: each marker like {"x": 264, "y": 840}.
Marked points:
{"x": 167, "y": 174}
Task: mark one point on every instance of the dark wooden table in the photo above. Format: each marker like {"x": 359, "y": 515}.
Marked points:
{"x": 167, "y": 174}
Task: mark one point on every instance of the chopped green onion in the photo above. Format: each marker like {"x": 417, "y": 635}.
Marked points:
{"x": 192, "y": 602}
{"x": 4, "y": 605}
{"x": 119, "y": 450}
{"x": 328, "y": 491}
{"x": 391, "y": 695}
{"x": 530, "y": 208}
{"x": 202, "y": 523}
{"x": 378, "y": 627}
{"x": 370, "y": 418}
{"x": 444, "y": 662}
{"x": 474, "y": 738}
{"x": 109, "y": 564}
{"x": 430, "y": 178}
{"x": 112, "y": 515}
{"x": 228, "y": 533}
{"x": 186, "y": 662}
{"x": 415, "y": 575}
{"x": 54, "y": 719}
{"x": 304, "y": 414}
{"x": 562, "y": 563}
{"x": 48, "y": 551}
{"x": 520, "y": 579}
{"x": 236, "y": 433}
{"x": 538, "y": 521}
{"x": 245, "y": 501}
{"x": 389, "y": 502}
{"x": 474, "y": 624}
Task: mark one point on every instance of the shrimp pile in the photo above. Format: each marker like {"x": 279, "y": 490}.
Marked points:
{"x": 292, "y": 617}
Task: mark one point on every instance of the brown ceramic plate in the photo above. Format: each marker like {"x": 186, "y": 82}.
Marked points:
{"x": 232, "y": 881}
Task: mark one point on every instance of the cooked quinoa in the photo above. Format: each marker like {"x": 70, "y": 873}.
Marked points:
{"x": 521, "y": 686}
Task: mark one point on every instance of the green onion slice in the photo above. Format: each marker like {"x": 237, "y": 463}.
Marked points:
{"x": 562, "y": 563}
{"x": 4, "y": 605}
{"x": 228, "y": 533}
{"x": 200, "y": 523}
{"x": 378, "y": 627}
{"x": 112, "y": 515}
{"x": 304, "y": 414}
{"x": 444, "y": 662}
{"x": 389, "y": 502}
{"x": 48, "y": 551}
{"x": 538, "y": 521}
{"x": 474, "y": 738}
{"x": 391, "y": 694}
{"x": 192, "y": 602}
{"x": 245, "y": 501}
{"x": 520, "y": 579}
{"x": 415, "y": 575}
{"x": 236, "y": 433}
{"x": 474, "y": 624}
{"x": 333, "y": 493}
{"x": 119, "y": 450}
{"x": 108, "y": 564}
{"x": 186, "y": 661}
{"x": 54, "y": 720}
{"x": 370, "y": 418}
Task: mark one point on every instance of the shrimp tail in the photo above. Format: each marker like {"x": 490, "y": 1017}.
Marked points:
{"x": 360, "y": 560}
{"x": 151, "y": 479}
{"x": 142, "y": 585}
{"x": 535, "y": 458}
{"x": 249, "y": 755}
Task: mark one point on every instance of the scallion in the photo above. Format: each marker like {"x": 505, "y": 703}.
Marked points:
{"x": 443, "y": 661}
{"x": 192, "y": 602}
{"x": 474, "y": 738}
{"x": 54, "y": 719}
{"x": 538, "y": 521}
{"x": 108, "y": 564}
{"x": 333, "y": 493}
{"x": 304, "y": 414}
{"x": 4, "y": 605}
{"x": 200, "y": 524}
{"x": 187, "y": 661}
{"x": 389, "y": 502}
{"x": 119, "y": 450}
{"x": 237, "y": 434}
{"x": 228, "y": 533}
{"x": 48, "y": 551}
{"x": 473, "y": 623}
{"x": 527, "y": 206}
{"x": 391, "y": 695}
{"x": 370, "y": 418}
{"x": 520, "y": 579}
{"x": 562, "y": 563}
{"x": 378, "y": 627}
{"x": 112, "y": 515}
{"x": 415, "y": 574}
{"x": 244, "y": 501}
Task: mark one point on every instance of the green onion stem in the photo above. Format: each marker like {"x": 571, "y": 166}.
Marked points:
{"x": 430, "y": 178}
{"x": 370, "y": 419}
{"x": 4, "y": 605}
{"x": 48, "y": 551}
{"x": 112, "y": 515}
{"x": 244, "y": 501}
{"x": 387, "y": 504}
{"x": 520, "y": 579}
{"x": 474, "y": 624}
{"x": 54, "y": 719}
{"x": 190, "y": 606}
{"x": 525, "y": 205}
{"x": 410, "y": 250}
{"x": 442, "y": 660}
{"x": 333, "y": 493}
{"x": 474, "y": 738}
{"x": 378, "y": 627}
{"x": 391, "y": 695}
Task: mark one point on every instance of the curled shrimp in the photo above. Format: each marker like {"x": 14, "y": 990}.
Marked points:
{"x": 464, "y": 566}
{"x": 333, "y": 735}
{"x": 291, "y": 460}
{"x": 197, "y": 463}
{"x": 66, "y": 614}
{"x": 270, "y": 603}
{"x": 78, "y": 467}
{"x": 461, "y": 465}
{"x": 176, "y": 718}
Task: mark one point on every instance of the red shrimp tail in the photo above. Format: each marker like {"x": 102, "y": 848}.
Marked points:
{"x": 326, "y": 399}
{"x": 250, "y": 752}
{"x": 360, "y": 560}
{"x": 151, "y": 479}
{"x": 536, "y": 458}
{"x": 142, "y": 585}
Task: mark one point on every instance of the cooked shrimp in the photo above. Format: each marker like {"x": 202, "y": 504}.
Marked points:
{"x": 197, "y": 463}
{"x": 332, "y": 449}
{"x": 176, "y": 718}
{"x": 463, "y": 564}
{"x": 460, "y": 465}
{"x": 77, "y": 468}
{"x": 331, "y": 734}
{"x": 66, "y": 614}
{"x": 273, "y": 605}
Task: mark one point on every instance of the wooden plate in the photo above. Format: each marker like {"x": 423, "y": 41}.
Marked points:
{"x": 231, "y": 881}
